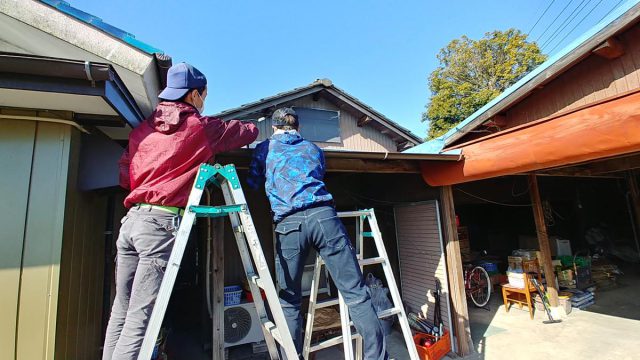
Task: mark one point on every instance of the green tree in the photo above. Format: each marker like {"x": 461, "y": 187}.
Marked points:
{"x": 473, "y": 72}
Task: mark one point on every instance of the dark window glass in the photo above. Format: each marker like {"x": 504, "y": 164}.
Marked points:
{"x": 319, "y": 125}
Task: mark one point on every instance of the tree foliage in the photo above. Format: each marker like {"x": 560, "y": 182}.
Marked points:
{"x": 473, "y": 72}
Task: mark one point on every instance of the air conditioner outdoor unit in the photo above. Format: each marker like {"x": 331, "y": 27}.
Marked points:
{"x": 241, "y": 325}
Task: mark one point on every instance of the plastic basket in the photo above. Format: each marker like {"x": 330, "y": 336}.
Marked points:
{"x": 490, "y": 267}
{"x": 232, "y": 295}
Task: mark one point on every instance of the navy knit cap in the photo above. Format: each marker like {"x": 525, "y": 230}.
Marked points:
{"x": 278, "y": 118}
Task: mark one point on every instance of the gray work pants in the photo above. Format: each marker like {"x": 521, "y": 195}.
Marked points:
{"x": 144, "y": 246}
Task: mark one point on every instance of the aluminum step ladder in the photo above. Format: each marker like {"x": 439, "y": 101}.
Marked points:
{"x": 253, "y": 260}
{"x": 396, "y": 310}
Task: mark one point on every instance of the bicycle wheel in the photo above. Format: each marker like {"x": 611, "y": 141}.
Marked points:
{"x": 480, "y": 286}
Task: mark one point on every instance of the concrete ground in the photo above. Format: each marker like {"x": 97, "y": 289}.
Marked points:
{"x": 607, "y": 330}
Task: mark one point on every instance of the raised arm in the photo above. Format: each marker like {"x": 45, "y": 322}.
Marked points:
{"x": 228, "y": 135}
{"x": 257, "y": 167}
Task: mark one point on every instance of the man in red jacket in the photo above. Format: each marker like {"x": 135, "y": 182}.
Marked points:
{"x": 159, "y": 167}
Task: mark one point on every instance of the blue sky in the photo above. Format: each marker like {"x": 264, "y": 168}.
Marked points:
{"x": 381, "y": 52}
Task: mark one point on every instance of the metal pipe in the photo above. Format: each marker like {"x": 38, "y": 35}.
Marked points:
{"x": 44, "y": 119}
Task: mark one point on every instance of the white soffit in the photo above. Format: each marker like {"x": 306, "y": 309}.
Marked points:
{"x": 55, "y": 101}
{"x": 132, "y": 66}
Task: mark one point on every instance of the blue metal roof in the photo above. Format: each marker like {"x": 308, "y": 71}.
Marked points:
{"x": 435, "y": 146}
{"x": 96, "y": 22}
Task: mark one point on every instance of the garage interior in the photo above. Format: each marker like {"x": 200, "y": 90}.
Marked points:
{"x": 592, "y": 208}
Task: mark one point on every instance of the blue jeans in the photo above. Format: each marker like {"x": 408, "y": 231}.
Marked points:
{"x": 321, "y": 229}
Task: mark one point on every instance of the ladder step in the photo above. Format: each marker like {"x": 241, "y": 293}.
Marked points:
{"x": 344, "y": 214}
{"x": 256, "y": 280}
{"x": 326, "y": 303}
{"x": 389, "y": 312}
{"x": 365, "y": 262}
{"x": 329, "y": 343}
{"x": 367, "y": 234}
{"x": 216, "y": 211}
{"x": 383, "y": 314}
{"x": 273, "y": 330}
{"x": 371, "y": 261}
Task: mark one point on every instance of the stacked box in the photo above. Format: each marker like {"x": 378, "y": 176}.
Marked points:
{"x": 465, "y": 246}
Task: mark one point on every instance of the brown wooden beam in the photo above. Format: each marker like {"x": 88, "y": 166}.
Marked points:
{"x": 612, "y": 48}
{"x": 457, "y": 293}
{"x": 364, "y": 120}
{"x": 634, "y": 190}
{"x": 372, "y": 166}
{"x": 345, "y": 165}
{"x": 611, "y": 168}
{"x": 543, "y": 241}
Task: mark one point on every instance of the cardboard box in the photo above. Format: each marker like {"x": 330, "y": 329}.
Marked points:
{"x": 516, "y": 279}
{"x": 515, "y": 263}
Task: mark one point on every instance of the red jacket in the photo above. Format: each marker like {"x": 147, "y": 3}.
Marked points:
{"x": 164, "y": 152}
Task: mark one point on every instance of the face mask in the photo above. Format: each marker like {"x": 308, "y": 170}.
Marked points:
{"x": 201, "y": 107}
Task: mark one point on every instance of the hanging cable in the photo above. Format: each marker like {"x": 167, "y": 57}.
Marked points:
{"x": 581, "y": 21}
{"x": 566, "y": 22}
{"x": 491, "y": 201}
{"x": 610, "y": 11}
{"x": 513, "y": 189}
{"x": 540, "y": 18}
{"x": 554, "y": 20}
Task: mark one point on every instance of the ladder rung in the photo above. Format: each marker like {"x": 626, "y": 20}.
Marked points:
{"x": 216, "y": 211}
{"x": 371, "y": 261}
{"x": 389, "y": 312}
{"x": 273, "y": 330}
{"x": 326, "y": 303}
{"x": 329, "y": 343}
{"x": 343, "y": 214}
{"x": 256, "y": 280}
{"x": 367, "y": 234}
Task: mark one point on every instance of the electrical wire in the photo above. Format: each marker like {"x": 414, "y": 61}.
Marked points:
{"x": 554, "y": 20}
{"x": 566, "y": 23}
{"x": 491, "y": 201}
{"x": 540, "y": 18}
{"x": 513, "y": 189}
{"x": 610, "y": 11}
{"x": 581, "y": 21}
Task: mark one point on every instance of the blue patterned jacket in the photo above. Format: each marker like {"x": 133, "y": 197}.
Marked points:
{"x": 291, "y": 169}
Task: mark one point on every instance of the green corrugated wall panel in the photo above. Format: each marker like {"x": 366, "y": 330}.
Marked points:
{"x": 16, "y": 150}
{"x": 42, "y": 244}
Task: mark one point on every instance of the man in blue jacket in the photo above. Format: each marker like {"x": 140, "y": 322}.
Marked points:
{"x": 292, "y": 170}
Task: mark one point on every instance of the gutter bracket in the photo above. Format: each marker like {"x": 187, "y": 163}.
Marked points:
{"x": 87, "y": 70}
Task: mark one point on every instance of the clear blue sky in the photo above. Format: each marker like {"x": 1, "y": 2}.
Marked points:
{"x": 381, "y": 52}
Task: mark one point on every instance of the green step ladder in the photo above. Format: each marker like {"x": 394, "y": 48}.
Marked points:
{"x": 276, "y": 332}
